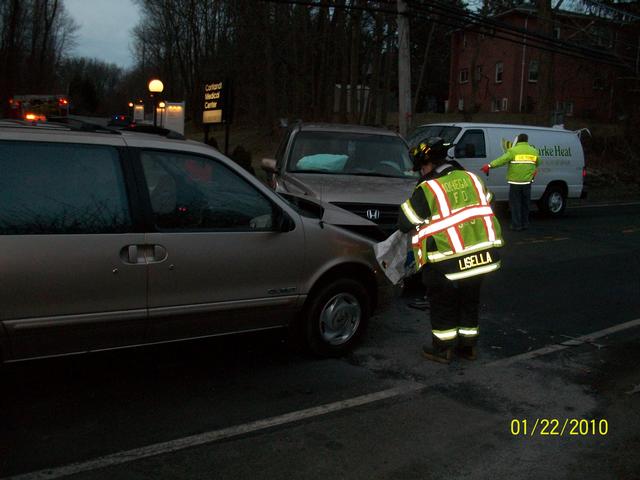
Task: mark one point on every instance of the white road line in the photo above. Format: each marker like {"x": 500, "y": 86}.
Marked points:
{"x": 570, "y": 343}
{"x": 215, "y": 435}
{"x": 596, "y": 205}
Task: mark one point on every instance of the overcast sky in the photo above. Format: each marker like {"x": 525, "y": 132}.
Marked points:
{"x": 105, "y": 29}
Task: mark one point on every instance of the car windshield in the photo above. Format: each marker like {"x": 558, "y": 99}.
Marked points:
{"x": 346, "y": 153}
{"x": 447, "y": 133}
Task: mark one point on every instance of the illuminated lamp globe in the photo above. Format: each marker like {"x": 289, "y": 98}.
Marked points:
{"x": 162, "y": 105}
{"x": 156, "y": 86}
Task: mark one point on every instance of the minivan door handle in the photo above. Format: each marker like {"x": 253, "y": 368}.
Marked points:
{"x": 157, "y": 254}
{"x": 129, "y": 255}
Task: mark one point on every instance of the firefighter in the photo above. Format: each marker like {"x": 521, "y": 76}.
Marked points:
{"x": 455, "y": 237}
{"x": 523, "y": 166}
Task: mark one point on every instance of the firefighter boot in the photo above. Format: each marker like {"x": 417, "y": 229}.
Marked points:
{"x": 440, "y": 355}
{"x": 467, "y": 352}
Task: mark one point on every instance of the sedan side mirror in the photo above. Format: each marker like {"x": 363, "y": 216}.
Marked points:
{"x": 269, "y": 165}
{"x": 451, "y": 153}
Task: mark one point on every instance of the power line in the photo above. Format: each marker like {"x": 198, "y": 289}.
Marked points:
{"x": 462, "y": 19}
{"x": 521, "y": 35}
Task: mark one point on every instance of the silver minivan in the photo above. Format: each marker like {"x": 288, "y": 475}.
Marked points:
{"x": 112, "y": 239}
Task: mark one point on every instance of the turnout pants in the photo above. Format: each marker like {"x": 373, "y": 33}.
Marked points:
{"x": 519, "y": 200}
{"x": 454, "y": 309}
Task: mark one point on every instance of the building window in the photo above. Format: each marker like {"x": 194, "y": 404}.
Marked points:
{"x": 478, "y": 73}
{"x": 499, "y": 70}
{"x": 598, "y": 83}
{"x": 568, "y": 108}
{"x": 565, "y": 107}
{"x": 461, "y": 105}
{"x": 464, "y": 40}
{"x": 556, "y": 33}
{"x": 464, "y": 75}
{"x": 534, "y": 66}
{"x": 604, "y": 37}
{"x": 500, "y": 105}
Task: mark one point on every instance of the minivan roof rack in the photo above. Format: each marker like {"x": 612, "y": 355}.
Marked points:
{"x": 19, "y": 123}
{"x": 165, "y": 132}
{"x": 82, "y": 126}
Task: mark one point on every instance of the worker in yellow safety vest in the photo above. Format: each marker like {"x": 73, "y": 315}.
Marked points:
{"x": 455, "y": 237}
{"x": 522, "y": 159}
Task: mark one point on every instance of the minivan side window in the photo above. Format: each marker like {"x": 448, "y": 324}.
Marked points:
{"x": 471, "y": 145}
{"x": 192, "y": 192}
{"x": 58, "y": 188}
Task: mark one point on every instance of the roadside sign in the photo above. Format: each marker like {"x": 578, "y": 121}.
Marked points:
{"x": 217, "y": 102}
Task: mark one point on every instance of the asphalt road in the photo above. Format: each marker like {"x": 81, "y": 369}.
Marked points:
{"x": 248, "y": 407}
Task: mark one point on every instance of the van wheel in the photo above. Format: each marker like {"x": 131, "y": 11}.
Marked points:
{"x": 336, "y": 317}
{"x": 554, "y": 201}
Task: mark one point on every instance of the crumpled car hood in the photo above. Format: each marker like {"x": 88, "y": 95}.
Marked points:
{"x": 332, "y": 214}
{"x": 350, "y": 188}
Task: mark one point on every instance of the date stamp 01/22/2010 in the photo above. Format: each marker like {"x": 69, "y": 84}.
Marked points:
{"x": 559, "y": 427}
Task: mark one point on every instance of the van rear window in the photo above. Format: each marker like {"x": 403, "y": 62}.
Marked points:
{"x": 447, "y": 133}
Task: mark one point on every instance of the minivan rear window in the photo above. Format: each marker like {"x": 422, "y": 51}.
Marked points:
{"x": 56, "y": 188}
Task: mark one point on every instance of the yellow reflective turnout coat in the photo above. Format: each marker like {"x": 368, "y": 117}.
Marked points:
{"x": 522, "y": 159}
{"x": 452, "y": 224}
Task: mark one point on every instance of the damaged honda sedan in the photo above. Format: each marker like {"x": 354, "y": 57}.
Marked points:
{"x": 365, "y": 170}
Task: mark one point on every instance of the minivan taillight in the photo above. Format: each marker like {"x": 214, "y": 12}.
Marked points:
{"x": 584, "y": 172}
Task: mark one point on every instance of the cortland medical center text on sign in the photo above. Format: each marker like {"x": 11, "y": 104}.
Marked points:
{"x": 213, "y": 103}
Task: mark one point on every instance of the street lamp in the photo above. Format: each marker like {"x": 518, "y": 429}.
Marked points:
{"x": 155, "y": 86}
{"x": 162, "y": 106}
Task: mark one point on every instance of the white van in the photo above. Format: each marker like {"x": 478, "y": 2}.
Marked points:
{"x": 561, "y": 171}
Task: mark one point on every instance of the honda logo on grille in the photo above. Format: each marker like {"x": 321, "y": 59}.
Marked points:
{"x": 373, "y": 214}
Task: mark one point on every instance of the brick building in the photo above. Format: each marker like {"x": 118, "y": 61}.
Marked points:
{"x": 489, "y": 74}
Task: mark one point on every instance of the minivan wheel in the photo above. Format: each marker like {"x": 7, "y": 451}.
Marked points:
{"x": 336, "y": 317}
{"x": 554, "y": 201}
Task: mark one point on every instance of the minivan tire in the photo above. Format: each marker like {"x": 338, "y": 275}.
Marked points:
{"x": 336, "y": 317}
{"x": 553, "y": 202}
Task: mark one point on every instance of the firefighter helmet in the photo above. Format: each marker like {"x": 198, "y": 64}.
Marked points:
{"x": 432, "y": 150}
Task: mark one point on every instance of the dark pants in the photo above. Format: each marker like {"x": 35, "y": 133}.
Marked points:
{"x": 519, "y": 200}
{"x": 454, "y": 307}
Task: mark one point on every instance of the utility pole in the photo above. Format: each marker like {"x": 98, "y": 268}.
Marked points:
{"x": 404, "y": 70}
